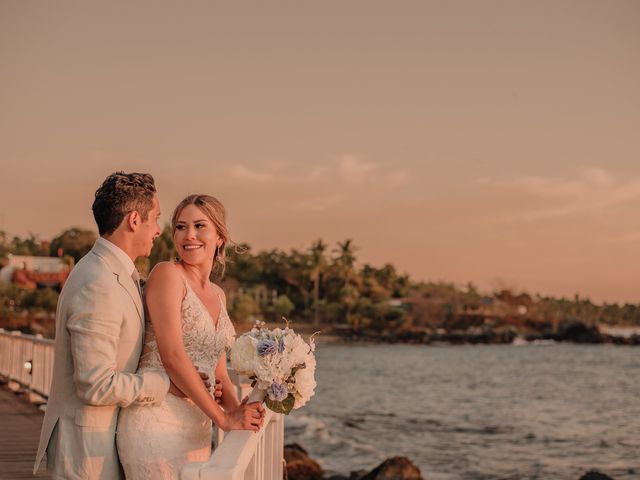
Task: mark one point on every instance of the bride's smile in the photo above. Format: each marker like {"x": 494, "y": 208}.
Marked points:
{"x": 195, "y": 236}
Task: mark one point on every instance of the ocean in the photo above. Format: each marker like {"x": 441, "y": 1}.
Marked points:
{"x": 543, "y": 411}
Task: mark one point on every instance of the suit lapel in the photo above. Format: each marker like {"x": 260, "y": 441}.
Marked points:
{"x": 129, "y": 285}
{"x": 124, "y": 278}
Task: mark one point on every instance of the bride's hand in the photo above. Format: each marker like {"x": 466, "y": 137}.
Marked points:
{"x": 248, "y": 416}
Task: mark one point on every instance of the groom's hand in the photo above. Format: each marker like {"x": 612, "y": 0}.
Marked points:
{"x": 174, "y": 390}
{"x": 217, "y": 393}
{"x": 205, "y": 380}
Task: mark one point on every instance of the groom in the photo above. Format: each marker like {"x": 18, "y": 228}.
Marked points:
{"x": 99, "y": 336}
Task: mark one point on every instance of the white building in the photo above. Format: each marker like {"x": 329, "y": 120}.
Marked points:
{"x": 34, "y": 264}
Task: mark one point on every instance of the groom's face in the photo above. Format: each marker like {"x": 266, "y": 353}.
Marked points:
{"x": 149, "y": 230}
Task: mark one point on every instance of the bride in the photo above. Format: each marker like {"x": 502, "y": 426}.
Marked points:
{"x": 190, "y": 329}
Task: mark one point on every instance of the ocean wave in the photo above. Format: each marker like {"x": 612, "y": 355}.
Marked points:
{"x": 520, "y": 342}
{"x": 306, "y": 426}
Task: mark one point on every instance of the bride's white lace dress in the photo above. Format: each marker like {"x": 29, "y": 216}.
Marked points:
{"x": 156, "y": 442}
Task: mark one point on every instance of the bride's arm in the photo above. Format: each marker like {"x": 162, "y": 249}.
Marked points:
{"x": 229, "y": 398}
{"x": 164, "y": 292}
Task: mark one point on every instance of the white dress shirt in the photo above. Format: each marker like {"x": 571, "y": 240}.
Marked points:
{"x": 122, "y": 256}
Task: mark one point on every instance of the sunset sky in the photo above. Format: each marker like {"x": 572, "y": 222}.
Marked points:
{"x": 496, "y": 142}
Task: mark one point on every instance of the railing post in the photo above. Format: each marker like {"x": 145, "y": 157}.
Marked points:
{"x": 14, "y": 347}
{"x": 16, "y": 350}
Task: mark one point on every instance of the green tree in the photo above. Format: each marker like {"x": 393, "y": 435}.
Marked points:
{"x": 44, "y": 299}
{"x": 282, "y": 306}
{"x": 11, "y": 299}
{"x": 30, "y": 245}
{"x": 245, "y": 267}
{"x": 163, "y": 249}
{"x": 75, "y": 242}
{"x": 245, "y": 308}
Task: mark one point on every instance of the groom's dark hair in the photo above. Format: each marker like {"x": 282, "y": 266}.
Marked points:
{"x": 120, "y": 194}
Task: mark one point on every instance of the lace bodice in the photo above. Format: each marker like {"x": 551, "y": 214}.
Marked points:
{"x": 203, "y": 341}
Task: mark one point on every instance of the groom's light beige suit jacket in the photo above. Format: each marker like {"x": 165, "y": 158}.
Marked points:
{"x": 99, "y": 335}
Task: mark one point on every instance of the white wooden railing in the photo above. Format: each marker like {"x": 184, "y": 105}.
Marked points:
{"x": 244, "y": 455}
{"x": 239, "y": 455}
{"x": 27, "y": 360}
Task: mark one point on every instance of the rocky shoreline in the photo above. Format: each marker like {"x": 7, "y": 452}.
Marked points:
{"x": 570, "y": 331}
{"x": 464, "y": 330}
{"x": 300, "y": 466}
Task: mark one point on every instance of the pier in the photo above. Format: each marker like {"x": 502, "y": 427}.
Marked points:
{"x": 20, "y": 423}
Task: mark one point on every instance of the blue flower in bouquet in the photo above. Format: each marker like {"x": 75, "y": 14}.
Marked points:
{"x": 277, "y": 392}
{"x": 266, "y": 347}
{"x": 281, "y": 345}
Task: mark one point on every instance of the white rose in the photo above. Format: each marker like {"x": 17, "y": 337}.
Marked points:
{"x": 296, "y": 349}
{"x": 263, "y": 373}
{"x": 305, "y": 381}
{"x": 243, "y": 355}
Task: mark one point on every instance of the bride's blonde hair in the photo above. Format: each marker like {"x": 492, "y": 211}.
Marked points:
{"x": 215, "y": 211}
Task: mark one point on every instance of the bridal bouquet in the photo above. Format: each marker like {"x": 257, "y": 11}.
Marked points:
{"x": 280, "y": 364}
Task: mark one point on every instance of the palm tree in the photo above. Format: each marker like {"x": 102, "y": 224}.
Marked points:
{"x": 346, "y": 253}
{"x": 318, "y": 265}
{"x": 345, "y": 263}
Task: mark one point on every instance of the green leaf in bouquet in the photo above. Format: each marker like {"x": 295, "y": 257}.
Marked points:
{"x": 294, "y": 370}
{"x": 285, "y": 406}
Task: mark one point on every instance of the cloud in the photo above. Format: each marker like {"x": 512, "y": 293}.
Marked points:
{"x": 325, "y": 185}
{"x": 632, "y": 237}
{"x": 343, "y": 169}
{"x": 592, "y": 191}
{"x": 240, "y": 172}
{"x": 396, "y": 179}
{"x": 553, "y": 187}
{"x": 353, "y": 169}
{"x": 319, "y": 204}
{"x": 321, "y": 172}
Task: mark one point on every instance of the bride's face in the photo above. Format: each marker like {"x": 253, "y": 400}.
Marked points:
{"x": 195, "y": 237}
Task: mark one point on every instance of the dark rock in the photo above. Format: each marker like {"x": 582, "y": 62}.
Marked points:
{"x": 299, "y": 465}
{"x": 304, "y": 470}
{"x": 294, "y": 451}
{"x": 595, "y": 475}
{"x": 418, "y": 336}
{"x": 579, "y": 332}
{"x": 395, "y": 468}
{"x": 357, "y": 474}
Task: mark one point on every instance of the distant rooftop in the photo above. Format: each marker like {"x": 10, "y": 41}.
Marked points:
{"x": 34, "y": 264}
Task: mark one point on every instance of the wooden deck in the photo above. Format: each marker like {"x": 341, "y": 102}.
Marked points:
{"x": 20, "y": 424}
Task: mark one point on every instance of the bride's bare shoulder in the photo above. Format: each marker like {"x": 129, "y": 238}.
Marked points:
{"x": 165, "y": 274}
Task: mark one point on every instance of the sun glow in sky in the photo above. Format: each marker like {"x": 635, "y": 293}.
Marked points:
{"x": 494, "y": 142}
